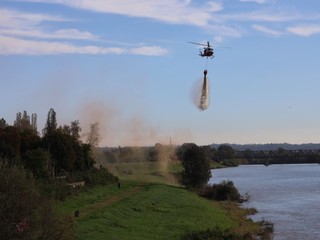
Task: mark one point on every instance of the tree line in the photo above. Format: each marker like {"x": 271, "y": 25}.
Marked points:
{"x": 58, "y": 150}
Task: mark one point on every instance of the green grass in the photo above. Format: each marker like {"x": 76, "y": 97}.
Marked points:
{"x": 149, "y": 205}
{"x": 89, "y": 197}
{"x": 149, "y": 211}
{"x": 154, "y": 172}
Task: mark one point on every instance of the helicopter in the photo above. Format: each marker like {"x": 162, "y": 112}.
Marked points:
{"x": 207, "y": 50}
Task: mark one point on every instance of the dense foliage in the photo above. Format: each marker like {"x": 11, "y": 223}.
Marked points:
{"x": 224, "y": 191}
{"x": 196, "y": 172}
{"x": 25, "y": 213}
{"x": 59, "y": 150}
{"x": 216, "y": 234}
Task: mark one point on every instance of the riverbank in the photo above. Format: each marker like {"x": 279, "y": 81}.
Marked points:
{"x": 150, "y": 211}
{"x": 157, "y": 208}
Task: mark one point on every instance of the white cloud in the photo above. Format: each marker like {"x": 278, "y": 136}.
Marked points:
{"x": 14, "y": 23}
{"x": 305, "y": 30}
{"x": 266, "y": 30}
{"x": 22, "y": 33}
{"x": 59, "y": 34}
{"x": 262, "y": 16}
{"x": 16, "y": 46}
{"x": 169, "y": 11}
{"x": 149, "y": 51}
{"x": 15, "y": 19}
{"x": 223, "y": 30}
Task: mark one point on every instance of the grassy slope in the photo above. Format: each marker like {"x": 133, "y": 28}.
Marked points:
{"x": 149, "y": 211}
{"x": 147, "y": 208}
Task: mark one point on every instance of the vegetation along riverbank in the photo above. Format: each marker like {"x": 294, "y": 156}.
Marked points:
{"x": 72, "y": 190}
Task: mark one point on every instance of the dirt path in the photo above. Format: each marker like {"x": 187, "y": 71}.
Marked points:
{"x": 110, "y": 200}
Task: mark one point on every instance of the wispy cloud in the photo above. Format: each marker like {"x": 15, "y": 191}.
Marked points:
{"x": 169, "y": 11}
{"x": 16, "y": 46}
{"x": 15, "y": 23}
{"x": 149, "y": 51}
{"x": 266, "y": 30}
{"x": 262, "y": 16}
{"x": 59, "y": 34}
{"x": 15, "y": 19}
{"x": 22, "y": 34}
{"x": 305, "y": 30}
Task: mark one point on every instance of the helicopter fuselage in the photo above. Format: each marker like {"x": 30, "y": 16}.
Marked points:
{"x": 207, "y": 52}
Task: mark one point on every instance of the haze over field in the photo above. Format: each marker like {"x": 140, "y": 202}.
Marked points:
{"x": 130, "y": 68}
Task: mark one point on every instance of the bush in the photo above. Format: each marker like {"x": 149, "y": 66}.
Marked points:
{"x": 224, "y": 191}
{"x": 215, "y": 234}
{"x": 57, "y": 189}
{"x": 266, "y": 230}
{"x": 99, "y": 176}
{"x": 25, "y": 213}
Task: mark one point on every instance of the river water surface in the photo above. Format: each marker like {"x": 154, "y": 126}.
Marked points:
{"x": 288, "y": 195}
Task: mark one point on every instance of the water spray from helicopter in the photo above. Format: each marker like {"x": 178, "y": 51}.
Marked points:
{"x": 204, "y": 98}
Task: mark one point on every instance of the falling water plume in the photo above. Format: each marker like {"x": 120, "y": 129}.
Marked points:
{"x": 204, "y": 98}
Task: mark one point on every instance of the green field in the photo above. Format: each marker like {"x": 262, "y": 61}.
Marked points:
{"x": 148, "y": 211}
{"x": 151, "y": 172}
{"x": 148, "y": 206}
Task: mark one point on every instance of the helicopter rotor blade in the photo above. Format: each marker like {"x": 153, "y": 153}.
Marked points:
{"x": 201, "y": 44}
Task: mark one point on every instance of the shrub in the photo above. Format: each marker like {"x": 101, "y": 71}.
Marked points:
{"x": 224, "y": 191}
{"x": 57, "y": 189}
{"x": 266, "y": 230}
{"x": 215, "y": 234}
{"x": 99, "y": 176}
{"x": 25, "y": 213}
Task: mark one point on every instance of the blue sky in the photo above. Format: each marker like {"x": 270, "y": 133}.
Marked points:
{"x": 128, "y": 66}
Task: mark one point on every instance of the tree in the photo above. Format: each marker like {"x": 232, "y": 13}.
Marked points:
{"x": 3, "y": 123}
{"x": 225, "y": 152}
{"x": 75, "y": 129}
{"x": 196, "y": 171}
{"x": 34, "y": 122}
{"x": 37, "y": 161}
{"x": 93, "y": 137}
{"x": 51, "y": 124}
{"x": 10, "y": 143}
{"x": 60, "y": 146}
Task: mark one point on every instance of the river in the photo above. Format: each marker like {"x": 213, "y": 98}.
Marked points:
{"x": 288, "y": 195}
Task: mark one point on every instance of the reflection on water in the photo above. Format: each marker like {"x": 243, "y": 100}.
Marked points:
{"x": 287, "y": 195}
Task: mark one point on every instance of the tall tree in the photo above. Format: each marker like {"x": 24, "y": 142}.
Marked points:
{"x": 23, "y": 121}
{"x": 10, "y": 144}
{"x": 75, "y": 129}
{"x": 37, "y": 161}
{"x": 34, "y": 122}
{"x": 93, "y": 137}
{"x": 17, "y": 122}
{"x": 3, "y": 123}
{"x": 225, "y": 152}
{"x": 51, "y": 124}
{"x": 196, "y": 166}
